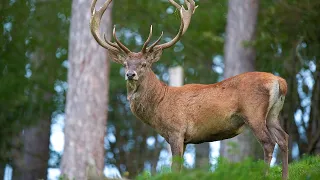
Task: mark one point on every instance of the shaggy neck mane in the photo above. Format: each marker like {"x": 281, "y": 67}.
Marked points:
{"x": 145, "y": 95}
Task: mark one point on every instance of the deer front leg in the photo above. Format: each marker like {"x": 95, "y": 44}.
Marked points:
{"x": 177, "y": 148}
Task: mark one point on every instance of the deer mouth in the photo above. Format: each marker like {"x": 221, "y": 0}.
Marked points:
{"x": 131, "y": 79}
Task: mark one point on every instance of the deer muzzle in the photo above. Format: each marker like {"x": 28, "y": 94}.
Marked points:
{"x": 131, "y": 75}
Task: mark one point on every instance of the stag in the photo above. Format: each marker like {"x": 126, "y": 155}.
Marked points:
{"x": 197, "y": 113}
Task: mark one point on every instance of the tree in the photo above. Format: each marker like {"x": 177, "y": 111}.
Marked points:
{"x": 28, "y": 83}
{"x": 32, "y": 162}
{"x": 289, "y": 46}
{"x": 202, "y": 155}
{"x": 12, "y": 79}
{"x": 87, "y": 97}
{"x": 239, "y": 58}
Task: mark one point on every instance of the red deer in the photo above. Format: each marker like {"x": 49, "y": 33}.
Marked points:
{"x": 197, "y": 113}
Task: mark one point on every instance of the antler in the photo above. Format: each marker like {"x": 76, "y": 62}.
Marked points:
{"x": 95, "y": 24}
{"x": 144, "y": 47}
{"x": 185, "y": 15}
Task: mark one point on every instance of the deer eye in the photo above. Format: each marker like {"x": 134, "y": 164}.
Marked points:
{"x": 144, "y": 64}
{"x": 124, "y": 64}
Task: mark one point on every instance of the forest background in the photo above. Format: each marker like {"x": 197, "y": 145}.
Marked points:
{"x": 37, "y": 49}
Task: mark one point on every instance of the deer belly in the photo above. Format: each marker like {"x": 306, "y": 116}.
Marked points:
{"x": 215, "y": 129}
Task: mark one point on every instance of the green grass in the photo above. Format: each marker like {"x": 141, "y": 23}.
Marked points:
{"x": 307, "y": 168}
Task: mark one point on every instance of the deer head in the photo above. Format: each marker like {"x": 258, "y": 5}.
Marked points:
{"x": 137, "y": 63}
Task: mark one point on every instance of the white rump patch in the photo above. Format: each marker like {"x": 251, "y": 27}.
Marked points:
{"x": 274, "y": 94}
{"x": 275, "y": 102}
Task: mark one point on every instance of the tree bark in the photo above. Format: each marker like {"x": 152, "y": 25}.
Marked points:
{"x": 239, "y": 58}
{"x": 202, "y": 155}
{"x": 32, "y": 163}
{"x": 2, "y": 167}
{"x": 316, "y": 106}
{"x": 87, "y": 97}
{"x": 313, "y": 131}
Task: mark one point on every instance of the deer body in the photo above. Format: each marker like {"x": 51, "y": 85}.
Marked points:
{"x": 204, "y": 113}
{"x": 197, "y": 113}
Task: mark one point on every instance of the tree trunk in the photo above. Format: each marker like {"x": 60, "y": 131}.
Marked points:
{"x": 313, "y": 130}
{"x": 202, "y": 155}
{"x": 2, "y": 167}
{"x": 316, "y": 105}
{"x": 31, "y": 158}
{"x": 32, "y": 163}
{"x": 239, "y": 58}
{"x": 87, "y": 97}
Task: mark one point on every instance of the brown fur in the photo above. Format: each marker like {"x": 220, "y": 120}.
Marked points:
{"x": 283, "y": 86}
{"x": 196, "y": 113}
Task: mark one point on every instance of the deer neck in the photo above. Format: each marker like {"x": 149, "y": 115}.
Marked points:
{"x": 145, "y": 95}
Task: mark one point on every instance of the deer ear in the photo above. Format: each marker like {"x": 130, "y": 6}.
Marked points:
{"x": 116, "y": 57}
{"x": 153, "y": 56}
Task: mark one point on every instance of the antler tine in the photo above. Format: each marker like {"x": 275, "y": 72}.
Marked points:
{"x": 175, "y": 4}
{"x": 175, "y": 39}
{"x": 123, "y": 47}
{"x": 111, "y": 43}
{"x": 155, "y": 43}
{"x": 191, "y": 5}
{"x": 144, "y": 47}
{"x": 185, "y": 15}
{"x": 93, "y": 5}
{"x": 95, "y": 24}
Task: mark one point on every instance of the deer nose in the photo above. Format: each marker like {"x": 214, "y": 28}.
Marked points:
{"x": 131, "y": 75}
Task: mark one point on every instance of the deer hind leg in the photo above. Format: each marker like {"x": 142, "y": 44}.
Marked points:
{"x": 278, "y": 134}
{"x": 264, "y": 137}
{"x": 281, "y": 138}
{"x": 256, "y": 120}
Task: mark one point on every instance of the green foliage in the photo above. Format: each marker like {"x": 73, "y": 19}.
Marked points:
{"x": 307, "y": 168}
{"x": 33, "y": 48}
{"x": 282, "y": 28}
